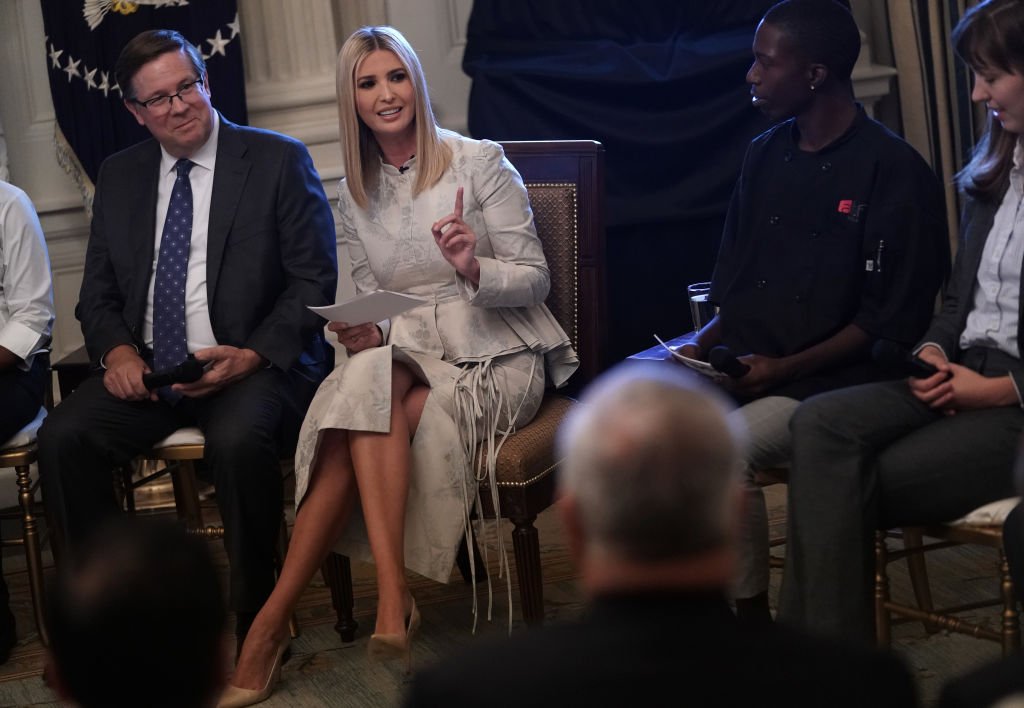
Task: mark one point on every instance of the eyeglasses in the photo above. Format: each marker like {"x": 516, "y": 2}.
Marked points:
{"x": 162, "y": 104}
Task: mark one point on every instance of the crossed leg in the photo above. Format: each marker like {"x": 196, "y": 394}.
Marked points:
{"x": 350, "y": 465}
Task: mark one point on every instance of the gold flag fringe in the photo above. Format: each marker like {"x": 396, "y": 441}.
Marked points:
{"x": 67, "y": 159}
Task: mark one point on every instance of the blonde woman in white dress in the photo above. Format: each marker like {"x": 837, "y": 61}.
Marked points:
{"x": 384, "y": 465}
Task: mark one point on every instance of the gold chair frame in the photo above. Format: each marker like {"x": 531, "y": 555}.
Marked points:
{"x": 991, "y": 536}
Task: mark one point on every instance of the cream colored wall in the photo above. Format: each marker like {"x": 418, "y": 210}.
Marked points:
{"x": 290, "y": 48}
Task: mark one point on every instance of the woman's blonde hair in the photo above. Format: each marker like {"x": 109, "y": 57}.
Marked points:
{"x": 360, "y": 148}
{"x": 991, "y": 36}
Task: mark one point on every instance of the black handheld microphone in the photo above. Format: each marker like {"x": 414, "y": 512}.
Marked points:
{"x": 896, "y": 359}
{"x": 187, "y": 371}
{"x": 725, "y": 361}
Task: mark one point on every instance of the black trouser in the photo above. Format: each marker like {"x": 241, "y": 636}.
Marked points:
{"x": 21, "y": 396}
{"x": 247, "y": 426}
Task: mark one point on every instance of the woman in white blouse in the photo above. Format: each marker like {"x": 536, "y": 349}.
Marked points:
{"x": 430, "y": 213}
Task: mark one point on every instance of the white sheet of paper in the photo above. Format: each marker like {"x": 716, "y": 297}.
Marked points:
{"x": 369, "y": 307}
{"x": 701, "y": 367}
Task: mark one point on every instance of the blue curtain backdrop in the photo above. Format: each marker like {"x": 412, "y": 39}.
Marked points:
{"x": 83, "y": 41}
{"x": 662, "y": 86}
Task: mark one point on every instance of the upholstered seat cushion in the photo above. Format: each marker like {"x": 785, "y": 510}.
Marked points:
{"x": 182, "y": 436}
{"x": 529, "y": 454}
{"x": 993, "y": 514}
{"x": 27, "y": 434}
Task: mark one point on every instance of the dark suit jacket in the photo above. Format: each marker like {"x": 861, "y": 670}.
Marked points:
{"x": 663, "y": 649}
{"x": 271, "y": 250}
{"x": 958, "y": 300}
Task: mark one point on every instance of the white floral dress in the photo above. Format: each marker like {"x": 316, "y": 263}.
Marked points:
{"x": 484, "y": 351}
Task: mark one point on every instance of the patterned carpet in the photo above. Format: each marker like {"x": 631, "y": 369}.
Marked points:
{"x": 324, "y": 672}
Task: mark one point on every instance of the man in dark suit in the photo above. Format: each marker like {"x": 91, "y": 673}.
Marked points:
{"x": 650, "y": 502}
{"x": 210, "y": 240}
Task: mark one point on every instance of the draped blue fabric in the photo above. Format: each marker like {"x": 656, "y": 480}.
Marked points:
{"x": 82, "y": 46}
{"x": 662, "y": 86}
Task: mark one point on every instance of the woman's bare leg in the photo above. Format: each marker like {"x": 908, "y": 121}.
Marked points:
{"x": 382, "y": 463}
{"x": 320, "y": 521}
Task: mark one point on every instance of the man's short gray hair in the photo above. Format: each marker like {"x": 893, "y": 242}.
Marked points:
{"x": 651, "y": 460}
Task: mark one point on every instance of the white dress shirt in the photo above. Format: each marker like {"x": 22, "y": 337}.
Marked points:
{"x": 26, "y": 287}
{"x": 993, "y": 319}
{"x": 198, "y": 328}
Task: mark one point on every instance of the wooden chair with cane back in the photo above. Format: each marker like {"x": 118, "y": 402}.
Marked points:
{"x": 982, "y": 527}
{"x": 565, "y": 182}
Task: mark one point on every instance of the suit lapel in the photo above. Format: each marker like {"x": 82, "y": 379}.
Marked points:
{"x": 229, "y": 179}
{"x": 142, "y": 192}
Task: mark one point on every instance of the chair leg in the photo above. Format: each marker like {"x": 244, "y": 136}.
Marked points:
{"x": 526, "y": 545}
{"x": 1010, "y": 629}
{"x": 918, "y": 568}
{"x": 883, "y": 634}
{"x": 33, "y": 550}
{"x": 337, "y": 572}
{"x": 126, "y": 487}
{"x": 186, "y": 493}
{"x": 462, "y": 561}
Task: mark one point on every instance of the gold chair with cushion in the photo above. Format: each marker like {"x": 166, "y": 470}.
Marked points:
{"x": 20, "y": 454}
{"x": 565, "y": 181}
{"x": 982, "y": 527}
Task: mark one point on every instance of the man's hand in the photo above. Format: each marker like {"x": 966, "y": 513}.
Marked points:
{"x": 765, "y": 372}
{"x": 357, "y": 337}
{"x": 229, "y": 364}
{"x": 123, "y": 375}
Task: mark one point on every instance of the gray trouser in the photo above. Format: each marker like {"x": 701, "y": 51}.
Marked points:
{"x": 870, "y": 457}
{"x": 767, "y": 420}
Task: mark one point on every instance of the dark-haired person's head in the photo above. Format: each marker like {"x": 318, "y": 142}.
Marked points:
{"x": 990, "y": 39}
{"x": 163, "y": 80}
{"x": 802, "y": 48}
{"x": 136, "y": 618}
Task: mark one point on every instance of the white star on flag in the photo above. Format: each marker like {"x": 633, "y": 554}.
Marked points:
{"x": 72, "y": 68}
{"x": 217, "y": 44}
